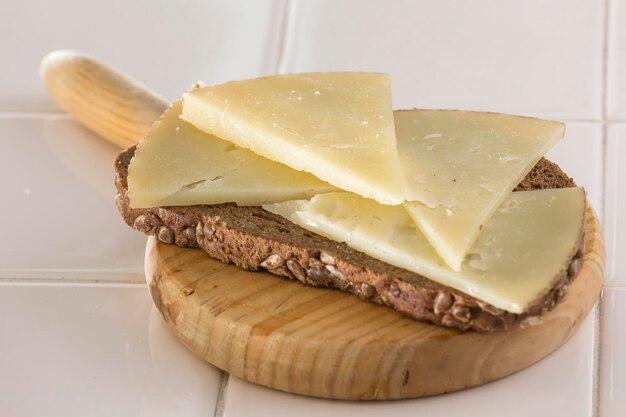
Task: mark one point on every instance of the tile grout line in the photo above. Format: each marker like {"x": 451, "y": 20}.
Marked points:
{"x": 604, "y": 109}
{"x": 220, "y": 406}
{"x": 280, "y": 64}
{"x": 285, "y": 41}
{"x": 32, "y": 114}
{"x": 90, "y": 284}
{"x": 275, "y": 44}
{"x": 595, "y": 395}
{"x": 600, "y": 121}
{"x": 69, "y": 281}
{"x": 72, "y": 276}
{"x": 615, "y": 288}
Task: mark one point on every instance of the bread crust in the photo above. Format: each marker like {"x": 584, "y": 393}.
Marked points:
{"x": 257, "y": 240}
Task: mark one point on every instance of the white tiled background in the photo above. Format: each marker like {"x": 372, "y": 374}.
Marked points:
{"x": 79, "y": 334}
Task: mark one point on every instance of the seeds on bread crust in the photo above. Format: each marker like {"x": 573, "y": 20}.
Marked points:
{"x": 200, "y": 233}
{"x": 442, "y": 303}
{"x": 461, "y": 313}
{"x": 273, "y": 261}
{"x": 319, "y": 275}
{"x": 296, "y": 269}
{"x": 165, "y": 234}
{"x": 450, "y": 321}
{"x": 394, "y": 290}
{"x": 189, "y": 233}
{"x": 119, "y": 181}
{"x": 335, "y": 272}
{"x": 208, "y": 230}
{"x": 366, "y": 290}
{"x": 142, "y": 223}
{"x": 327, "y": 258}
{"x": 574, "y": 267}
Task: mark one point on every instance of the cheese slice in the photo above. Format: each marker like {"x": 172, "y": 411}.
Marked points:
{"x": 337, "y": 126}
{"x": 459, "y": 166}
{"x": 516, "y": 259}
{"x": 177, "y": 164}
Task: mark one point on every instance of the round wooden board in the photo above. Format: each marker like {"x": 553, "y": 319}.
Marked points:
{"x": 276, "y": 332}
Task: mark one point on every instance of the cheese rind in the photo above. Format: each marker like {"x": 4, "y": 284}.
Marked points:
{"x": 179, "y": 165}
{"x": 516, "y": 259}
{"x": 459, "y": 166}
{"x": 337, "y": 126}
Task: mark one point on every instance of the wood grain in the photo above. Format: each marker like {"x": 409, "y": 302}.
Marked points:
{"x": 325, "y": 343}
{"x": 104, "y": 100}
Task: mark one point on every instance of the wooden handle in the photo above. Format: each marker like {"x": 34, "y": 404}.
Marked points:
{"x": 114, "y": 106}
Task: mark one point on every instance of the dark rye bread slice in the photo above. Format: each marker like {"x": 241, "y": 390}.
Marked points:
{"x": 257, "y": 240}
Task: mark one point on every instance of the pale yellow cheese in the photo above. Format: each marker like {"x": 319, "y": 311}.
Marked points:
{"x": 459, "y": 166}
{"x": 515, "y": 260}
{"x": 337, "y": 126}
{"x": 177, "y": 164}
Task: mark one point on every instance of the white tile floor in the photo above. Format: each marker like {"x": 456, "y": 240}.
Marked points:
{"x": 168, "y": 45}
{"x": 72, "y": 346}
{"x": 532, "y": 57}
{"x": 95, "y": 350}
{"x": 63, "y": 220}
{"x": 613, "y": 346}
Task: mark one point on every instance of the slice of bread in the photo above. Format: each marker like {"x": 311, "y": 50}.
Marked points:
{"x": 257, "y": 240}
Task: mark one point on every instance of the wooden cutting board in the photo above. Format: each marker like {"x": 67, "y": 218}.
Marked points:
{"x": 276, "y": 332}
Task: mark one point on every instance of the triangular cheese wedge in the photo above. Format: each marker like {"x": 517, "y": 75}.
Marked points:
{"x": 337, "y": 126}
{"x": 518, "y": 257}
{"x": 177, "y": 164}
{"x": 459, "y": 166}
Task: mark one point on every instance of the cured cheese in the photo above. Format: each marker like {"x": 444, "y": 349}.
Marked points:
{"x": 177, "y": 164}
{"x": 459, "y": 166}
{"x": 337, "y": 126}
{"x": 516, "y": 259}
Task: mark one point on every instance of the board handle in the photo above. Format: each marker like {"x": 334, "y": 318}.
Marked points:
{"x": 107, "y": 102}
